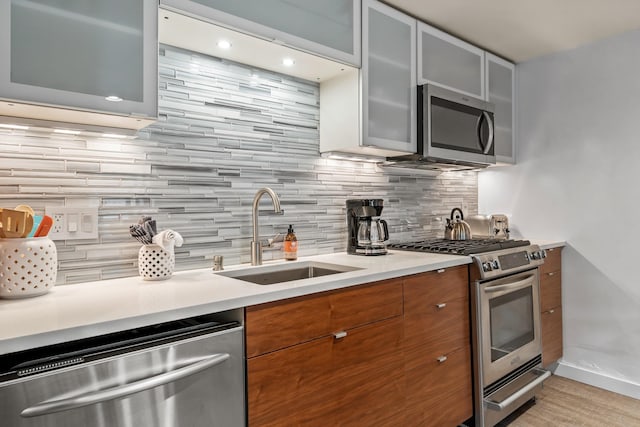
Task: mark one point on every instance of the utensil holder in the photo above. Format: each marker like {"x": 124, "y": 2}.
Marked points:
{"x": 28, "y": 266}
{"x": 155, "y": 263}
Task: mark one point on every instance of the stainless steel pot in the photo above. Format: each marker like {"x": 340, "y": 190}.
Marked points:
{"x": 456, "y": 228}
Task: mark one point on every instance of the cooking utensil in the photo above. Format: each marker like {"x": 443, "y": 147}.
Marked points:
{"x": 138, "y": 232}
{"x": 37, "y": 219}
{"x": 457, "y": 228}
{"x": 28, "y": 226}
{"x": 45, "y": 225}
{"x": 14, "y": 223}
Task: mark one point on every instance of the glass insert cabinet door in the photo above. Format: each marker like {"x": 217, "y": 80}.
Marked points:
{"x": 92, "y": 55}
{"x": 329, "y": 28}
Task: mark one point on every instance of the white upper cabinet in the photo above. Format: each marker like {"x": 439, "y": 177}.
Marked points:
{"x": 87, "y": 57}
{"x": 372, "y": 111}
{"x": 450, "y": 62}
{"x": 329, "y": 28}
{"x": 389, "y": 84}
{"x": 501, "y": 93}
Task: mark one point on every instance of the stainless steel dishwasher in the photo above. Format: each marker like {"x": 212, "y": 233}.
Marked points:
{"x": 176, "y": 374}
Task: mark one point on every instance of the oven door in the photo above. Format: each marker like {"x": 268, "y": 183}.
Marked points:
{"x": 509, "y": 316}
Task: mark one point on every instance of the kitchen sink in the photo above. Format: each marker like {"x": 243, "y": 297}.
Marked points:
{"x": 269, "y": 275}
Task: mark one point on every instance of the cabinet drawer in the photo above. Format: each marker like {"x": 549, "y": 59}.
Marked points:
{"x": 550, "y": 290}
{"x": 284, "y": 323}
{"x": 553, "y": 261}
{"x": 437, "y": 330}
{"x": 424, "y": 291}
{"x": 439, "y": 393}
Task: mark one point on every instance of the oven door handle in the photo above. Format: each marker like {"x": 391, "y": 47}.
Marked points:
{"x": 518, "y": 394}
{"x": 99, "y": 396}
{"x": 510, "y": 286}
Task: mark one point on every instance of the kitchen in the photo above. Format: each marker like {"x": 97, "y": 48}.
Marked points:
{"x": 204, "y": 190}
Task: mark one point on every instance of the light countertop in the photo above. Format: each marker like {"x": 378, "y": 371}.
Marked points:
{"x": 83, "y": 310}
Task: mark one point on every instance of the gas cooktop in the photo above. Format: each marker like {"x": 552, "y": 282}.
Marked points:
{"x": 459, "y": 247}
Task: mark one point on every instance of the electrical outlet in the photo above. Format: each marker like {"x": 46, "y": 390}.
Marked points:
{"x": 72, "y": 222}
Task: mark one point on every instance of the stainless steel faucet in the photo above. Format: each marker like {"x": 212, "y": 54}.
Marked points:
{"x": 256, "y": 245}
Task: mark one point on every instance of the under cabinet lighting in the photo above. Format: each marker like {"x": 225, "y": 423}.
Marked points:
{"x": 224, "y": 44}
{"x": 288, "y": 62}
{"x": 66, "y": 131}
{"x": 15, "y": 127}
{"x": 338, "y": 155}
{"x": 114, "y": 135}
{"x": 113, "y": 98}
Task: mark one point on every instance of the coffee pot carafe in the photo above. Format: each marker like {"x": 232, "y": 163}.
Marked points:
{"x": 366, "y": 231}
{"x": 372, "y": 232}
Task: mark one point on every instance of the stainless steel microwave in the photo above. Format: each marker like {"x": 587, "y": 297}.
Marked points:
{"x": 454, "y": 128}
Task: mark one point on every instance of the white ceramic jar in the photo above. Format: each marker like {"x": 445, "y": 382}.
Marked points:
{"x": 28, "y": 267}
{"x": 155, "y": 263}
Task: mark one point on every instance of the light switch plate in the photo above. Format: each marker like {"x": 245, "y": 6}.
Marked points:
{"x": 73, "y": 222}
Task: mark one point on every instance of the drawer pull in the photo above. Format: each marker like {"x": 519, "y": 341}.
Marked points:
{"x": 552, "y": 311}
{"x": 442, "y": 359}
{"x": 551, "y": 274}
{"x": 440, "y": 270}
{"x": 340, "y": 335}
{"x": 441, "y": 305}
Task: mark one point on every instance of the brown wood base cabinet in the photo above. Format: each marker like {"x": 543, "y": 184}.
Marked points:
{"x": 328, "y": 359}
{"x": 391, "y": 353}
{"x": 437, "y": 348}
{"x": 551, "y": 306}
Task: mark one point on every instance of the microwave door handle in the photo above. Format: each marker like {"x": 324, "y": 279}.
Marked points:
{"x": 487, "y": 116}
{"x": 481, "y": 118}
{"x": 511, "y": 286}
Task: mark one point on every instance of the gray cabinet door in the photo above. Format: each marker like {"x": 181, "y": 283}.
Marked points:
{"x": 501, "y": 93}
{"x": 389, "y": 84}
{"x": 91, "y": 55}
{"x": 449, "y": 62}
{"x": 329, "y": 28}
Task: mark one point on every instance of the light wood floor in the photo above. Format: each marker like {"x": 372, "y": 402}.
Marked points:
{"x": 567, "y": 403}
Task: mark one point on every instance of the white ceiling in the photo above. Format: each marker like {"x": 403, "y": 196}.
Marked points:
{"x": 520, "y": 30}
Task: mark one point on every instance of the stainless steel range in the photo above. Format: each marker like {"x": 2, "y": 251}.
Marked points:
{"x": 505, "y": 318}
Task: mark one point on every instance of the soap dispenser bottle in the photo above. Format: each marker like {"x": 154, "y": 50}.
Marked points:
{"x": 290, "y": 245}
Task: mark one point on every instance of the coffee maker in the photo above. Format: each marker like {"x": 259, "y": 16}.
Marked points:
{"x": 366, "y": 231}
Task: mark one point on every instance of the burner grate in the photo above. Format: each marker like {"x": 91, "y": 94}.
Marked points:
{"x": 459, "y": 247}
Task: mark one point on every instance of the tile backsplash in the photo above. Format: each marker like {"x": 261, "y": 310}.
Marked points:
{"x": 225, "y": 130}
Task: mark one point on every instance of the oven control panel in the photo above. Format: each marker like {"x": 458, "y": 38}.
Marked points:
{"x": 507, "y": 261}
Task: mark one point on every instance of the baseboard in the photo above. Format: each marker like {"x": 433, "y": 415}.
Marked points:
{"x": 599, "y": 380}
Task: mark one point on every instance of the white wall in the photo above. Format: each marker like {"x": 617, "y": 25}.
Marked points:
{"x": 578, "y": 180}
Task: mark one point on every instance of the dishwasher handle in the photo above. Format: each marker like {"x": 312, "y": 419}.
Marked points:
{"x": 94, "y": 397}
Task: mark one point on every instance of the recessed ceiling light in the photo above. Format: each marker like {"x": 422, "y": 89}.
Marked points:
{"x": 288, "y": 62}
{"x": 18, "y": 127}
{"x": 67, "y": 131}
{"x": 113, "y": 98}
{"x": 224, "y": 44}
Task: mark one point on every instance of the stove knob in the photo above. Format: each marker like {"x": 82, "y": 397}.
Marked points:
{"x": 495, "y": 264}
{"x": 486, "y": 266}
{"x": 536, "y": 255}
{"x": 544, "y": 253}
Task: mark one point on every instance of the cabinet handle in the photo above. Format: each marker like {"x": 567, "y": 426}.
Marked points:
{"x": 552, "y": 311}
{"x": 340, "y": 335}
{"x": 441, "y": 305}
{"x": 442, "y": 359}
{"x": 551, "y": 274}
{"x": 440, "y": 270}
